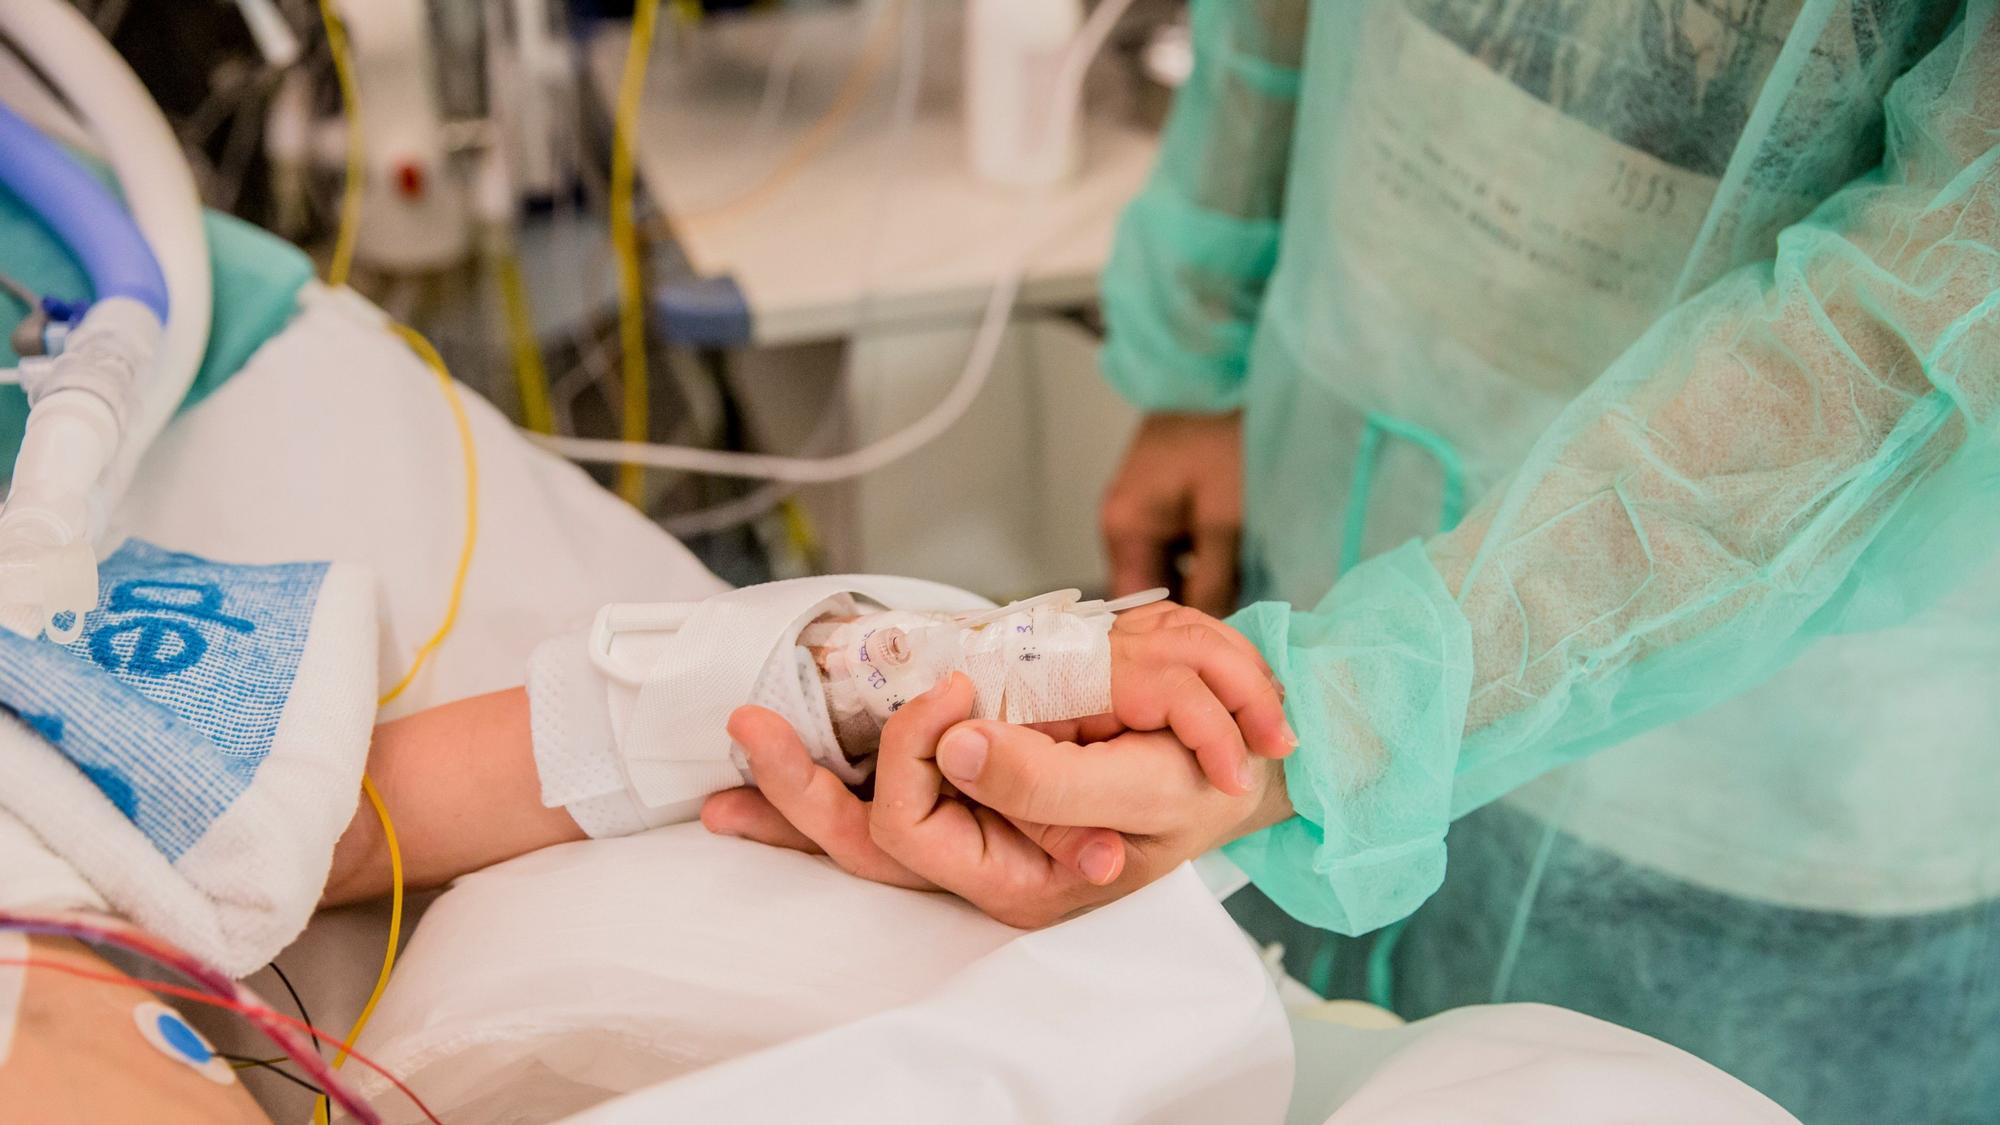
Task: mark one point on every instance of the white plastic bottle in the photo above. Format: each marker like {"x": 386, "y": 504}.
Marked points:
{"x": 1013, "y": 51}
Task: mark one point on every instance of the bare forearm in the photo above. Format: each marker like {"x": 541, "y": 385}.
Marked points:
{"x": 460, "y": 785}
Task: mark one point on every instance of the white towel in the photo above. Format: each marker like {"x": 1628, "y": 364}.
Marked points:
{"x": 197, "y": 751}
{"x": 37, "y": 880}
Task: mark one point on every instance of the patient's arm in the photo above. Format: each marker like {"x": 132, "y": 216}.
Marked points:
{"x": 462, "y": 790}
{"x": 77, "y": 1054}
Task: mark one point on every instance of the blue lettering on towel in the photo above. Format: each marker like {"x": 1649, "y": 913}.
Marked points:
{"x": 170, "y": 698}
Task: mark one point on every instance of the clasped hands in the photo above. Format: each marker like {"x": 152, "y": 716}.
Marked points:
{"x": 1036, "y": 824}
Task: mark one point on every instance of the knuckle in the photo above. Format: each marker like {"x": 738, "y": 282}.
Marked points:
{"x": 1179, "y": 681}
{"x": 881, "y": 834}
{"x": 1196, "y": 637}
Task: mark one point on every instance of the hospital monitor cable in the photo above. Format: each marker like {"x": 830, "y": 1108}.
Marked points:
{"x": 349, "y": 226}
{"x": 1067, "y": 97}
{"x": 637, "y": 392}
{"x": 209, "y": 986}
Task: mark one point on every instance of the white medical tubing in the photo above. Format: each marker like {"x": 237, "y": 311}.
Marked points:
{"x": 903, "y": 119}
{"x": 106, "y": 355}
{"x": 275, "y": 39}
{"x": 158, "y": 187}
{"x": 1068, "y": 96}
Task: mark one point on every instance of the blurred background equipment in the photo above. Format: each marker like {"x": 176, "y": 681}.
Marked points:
{"x": 825, "y": 200}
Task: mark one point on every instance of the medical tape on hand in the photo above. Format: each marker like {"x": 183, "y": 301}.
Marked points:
{"x": 1057, "y": 666}
{"x": 1038, "y": 664}
{"x": 710, "y": 664}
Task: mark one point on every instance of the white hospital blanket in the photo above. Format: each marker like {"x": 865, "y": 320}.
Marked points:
{"x": 1491, "y": 1064}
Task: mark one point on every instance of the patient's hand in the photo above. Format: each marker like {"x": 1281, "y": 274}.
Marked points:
{"x": 1041, "y": 838}
{"x": 1175, "y": 668}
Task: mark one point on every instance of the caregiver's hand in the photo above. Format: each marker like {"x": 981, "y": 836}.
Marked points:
{"x": 1021, "y": 870}
{"x": 1178, "y": 491}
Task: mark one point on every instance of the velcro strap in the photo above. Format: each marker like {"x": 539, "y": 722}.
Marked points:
{"x": 712, "y": 665}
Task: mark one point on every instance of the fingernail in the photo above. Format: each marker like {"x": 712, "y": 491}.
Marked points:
{"x": 1246, "y": 778}
{"x": 1291, "y": 736}
{"x": 1098, "y": 862}
{"x": 962, "y": 754}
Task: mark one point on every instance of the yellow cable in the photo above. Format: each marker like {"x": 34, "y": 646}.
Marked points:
{"x": 469, "y": 452}
{"x": 320, "y": 1113}
{"x": 350, "y": 104}
{"x": 799, "y": 529}
{"x": 471, "y": 458}
{"x": 625, "y": 241}
{"x": 337, "y": 271}
{"x": 529, "y": 374}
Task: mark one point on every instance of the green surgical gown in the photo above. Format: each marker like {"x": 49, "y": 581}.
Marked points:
{"x": 1620, "y": 384}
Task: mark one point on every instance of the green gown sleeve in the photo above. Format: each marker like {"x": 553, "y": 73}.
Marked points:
{"x": 1194, "y": 250}
{"x": 1809, "y": 446}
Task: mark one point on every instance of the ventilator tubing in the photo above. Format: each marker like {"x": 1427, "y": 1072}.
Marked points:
{"x": 125, "y": 367}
